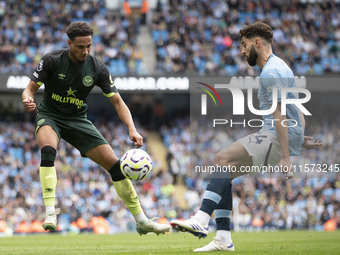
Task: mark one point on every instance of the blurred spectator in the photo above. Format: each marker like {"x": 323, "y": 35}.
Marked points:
{"x": 158, "y": 114}
{"x": 144, "y": 10}
{"x": 126, "y": 8}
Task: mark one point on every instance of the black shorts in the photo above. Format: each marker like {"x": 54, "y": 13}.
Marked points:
{"x": 78, "y": 131}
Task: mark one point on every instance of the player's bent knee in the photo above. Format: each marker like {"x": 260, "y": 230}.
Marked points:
{"x": 116, "y": 173}
{"x": 48, "y": 155}
{"x": 222, "y": 158}
{"x": 49, "y": 149}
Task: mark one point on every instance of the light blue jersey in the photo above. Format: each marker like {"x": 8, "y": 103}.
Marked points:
{"x": 277, "y": 74}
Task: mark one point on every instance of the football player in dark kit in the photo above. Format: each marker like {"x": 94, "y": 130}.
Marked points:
{"x": 69, "y": 75}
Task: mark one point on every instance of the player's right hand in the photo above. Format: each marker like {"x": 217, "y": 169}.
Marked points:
{"x": 136, "y": 138}
{"x": 29, "y": 104}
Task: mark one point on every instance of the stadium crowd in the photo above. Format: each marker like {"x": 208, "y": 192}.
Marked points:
{"x": 202, "y": 36}
{"x": 89, "y": 203}
{"x": 190, "y": 36}
{"x": 30, "y": 29}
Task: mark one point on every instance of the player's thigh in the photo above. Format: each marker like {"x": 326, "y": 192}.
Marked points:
{"x": 233, "y": 155}
{"x": 47, "y": 132}
{"x": 46, "y": 136}
{"x": 103, "y": 155}
{"x": 264, "y": 148}
{"x": 84, "y": 136}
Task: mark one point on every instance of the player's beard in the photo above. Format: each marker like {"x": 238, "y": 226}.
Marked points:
{"x": 251, "y": 59}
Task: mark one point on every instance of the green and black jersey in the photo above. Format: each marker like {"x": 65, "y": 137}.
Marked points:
{"x": 68, "y": 84}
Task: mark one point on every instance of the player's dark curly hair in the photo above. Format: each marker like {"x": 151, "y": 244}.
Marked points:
{"x": 257, "y": 29}
{"x": 79, "y": 28}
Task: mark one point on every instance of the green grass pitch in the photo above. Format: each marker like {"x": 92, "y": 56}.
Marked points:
{"x": 285, "y": 242}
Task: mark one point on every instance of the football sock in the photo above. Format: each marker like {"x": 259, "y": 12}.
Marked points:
{"x": 127, "y": 192}
{"x": 48, "y": 180}
{"x": 202, "y": 217}
{"x": 224, "y": 236}
{"x": 48, "y": 176}
{"x": 213, "y": 194}
{"x": 140, "y": 217}
{"x": 222, "y": 216}
{"x": 50, "y": 209}
{"x": 116, "y": 173}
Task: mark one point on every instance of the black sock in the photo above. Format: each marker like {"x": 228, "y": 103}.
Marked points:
{"x": 214, "y": 192}
{"x": 116, "y": 173}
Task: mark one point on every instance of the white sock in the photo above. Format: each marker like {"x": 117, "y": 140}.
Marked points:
{"x": 49, "y": 209}
{"x": 202, "y": 217}
{"x": 140, "y": 217}
{"x": 224, "y": 236}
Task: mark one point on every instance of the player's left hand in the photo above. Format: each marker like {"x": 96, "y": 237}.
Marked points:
{"x": 309, "y": 145}
{"x": 286, "y": 168}
{"x": 136, "y": 138}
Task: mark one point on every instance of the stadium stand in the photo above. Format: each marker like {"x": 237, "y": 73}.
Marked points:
{"x": 191, "y": 37}
{"x": 31, "y": 29}
{"x": 202, "y": 36}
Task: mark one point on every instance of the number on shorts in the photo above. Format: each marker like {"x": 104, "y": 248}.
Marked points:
{"x": 258, "y": 138}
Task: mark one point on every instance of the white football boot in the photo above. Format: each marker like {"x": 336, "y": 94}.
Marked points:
{"x": 216, "y": 245}
{"x": 51, "y": 220}
{"x": 193, "y": 226}
{"x": 152, "y": 226}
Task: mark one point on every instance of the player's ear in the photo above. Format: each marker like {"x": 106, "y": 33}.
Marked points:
{"x": 69, "y": 42}
{"x": 257, "y": 42}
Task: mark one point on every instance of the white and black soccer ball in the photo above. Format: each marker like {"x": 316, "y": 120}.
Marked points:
{"x": 136, "y": 164}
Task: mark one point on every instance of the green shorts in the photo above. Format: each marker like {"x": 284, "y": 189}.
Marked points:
{"x": 78, "y": 131}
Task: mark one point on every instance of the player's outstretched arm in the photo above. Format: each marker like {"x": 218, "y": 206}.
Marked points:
{"x": 28, "y": 96}
{"x": 125, "y": 116}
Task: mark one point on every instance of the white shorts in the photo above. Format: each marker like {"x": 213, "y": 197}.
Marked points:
{"x": 263, "y": 147}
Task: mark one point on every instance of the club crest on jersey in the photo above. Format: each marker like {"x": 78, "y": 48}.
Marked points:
{"x": 87, "y": 81}
{"x": 40, "y": 65}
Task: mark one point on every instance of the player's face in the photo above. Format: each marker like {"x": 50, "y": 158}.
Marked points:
{"x": 249, "y": 51}
{"x": 80, "y": 48}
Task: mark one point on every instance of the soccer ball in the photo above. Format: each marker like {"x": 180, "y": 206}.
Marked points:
{"x": 136, "y": 164}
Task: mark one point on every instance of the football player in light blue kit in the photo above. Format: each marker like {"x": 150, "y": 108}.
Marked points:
{"x": 274, "y": 144}
{"x": 275, "y": 75}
